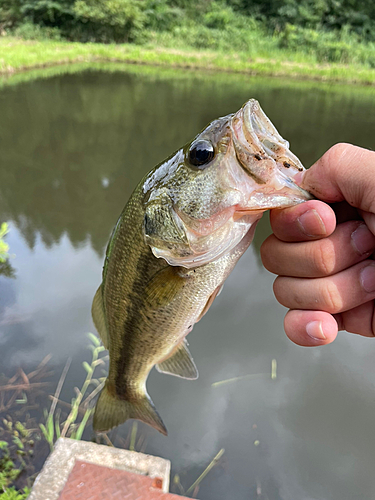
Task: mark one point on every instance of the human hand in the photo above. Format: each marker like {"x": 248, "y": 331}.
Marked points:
{"x": 323, "y": 255}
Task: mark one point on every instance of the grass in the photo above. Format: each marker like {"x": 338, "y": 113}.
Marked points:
{"x": 12, "y": 463}
{"x": 73, "y": 426}
{"x": 18, "y": 55}
{"x": 22, "y": 442}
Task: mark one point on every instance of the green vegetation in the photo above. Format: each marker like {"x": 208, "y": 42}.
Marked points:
{"x": 76, "y": 421}
{"x": 5, "y": 267}
{"x": 21, "y": 438}
{"x": 22, "y": 442}
{"x": 194, "y": 487}
{"x": 115, "y": 149}
{"x": 4, "y": 247}
{"x": 12, "y": 459}
{"x": 250, "y": 376}
{"x": 124, "y": 20}
{"x": 18, "y": 55}
{"x": 321, "y": 39}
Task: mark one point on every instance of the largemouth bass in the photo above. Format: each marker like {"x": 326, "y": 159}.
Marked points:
{"x": 177, "y": 240}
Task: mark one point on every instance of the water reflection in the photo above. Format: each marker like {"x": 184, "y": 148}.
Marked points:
{"x": 73, "y": 148}
{"x": 76, "y": 145}
{"x": 7, "y": 270}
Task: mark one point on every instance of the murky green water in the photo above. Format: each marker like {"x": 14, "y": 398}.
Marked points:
{"x": 72, "y": 148}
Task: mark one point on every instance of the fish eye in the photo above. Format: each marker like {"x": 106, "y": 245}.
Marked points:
{"x": 201, "y": 153}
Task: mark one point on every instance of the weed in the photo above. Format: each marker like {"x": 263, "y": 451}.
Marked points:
{"x": 12, "y": 460}
{"x": 74, "y": 427}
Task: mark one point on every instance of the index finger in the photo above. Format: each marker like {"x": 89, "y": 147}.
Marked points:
{"x": 311, "y": 220}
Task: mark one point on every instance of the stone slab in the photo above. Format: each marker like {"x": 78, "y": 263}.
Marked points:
{"x": 50, "y": 482}
{"x": 95, "y": 482}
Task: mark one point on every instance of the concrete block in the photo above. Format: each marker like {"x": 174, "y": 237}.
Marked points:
{"x": 60, "y": 463}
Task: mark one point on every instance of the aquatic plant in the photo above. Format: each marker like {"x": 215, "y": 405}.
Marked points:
{"x": 20, "y": 439}
{"x": 133, "y": 444}
{"x": 24, "y": 388}
{"x": 19, "y": 432}
{"x": 250, "y": 376}
{"x": 18, "y": 442}
{"x": 194, "y": 488}
{"x": 74, "y": 426}
{"x": 12, "y": 460}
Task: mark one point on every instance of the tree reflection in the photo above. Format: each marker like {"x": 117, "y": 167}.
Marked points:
{"x": 7, "y": 270}
{"x": 73, "y": 147}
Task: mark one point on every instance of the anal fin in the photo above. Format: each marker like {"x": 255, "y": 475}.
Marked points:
{"x": 180, "y": 363}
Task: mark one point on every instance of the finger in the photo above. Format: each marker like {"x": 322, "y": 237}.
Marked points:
{"x": 358, "y": 320}
{"x": 310, "y": 220}
{"x": 310, "y": 328}
{"x": 349, "y": 244}
{"x": 344, "y": 172}
{"x": 369, "y": 218}
{"x": 345, "y": 212}
{"x": 333, "y": 294}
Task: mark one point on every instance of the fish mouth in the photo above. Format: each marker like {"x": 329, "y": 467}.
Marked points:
{"x": 266, "y": 158}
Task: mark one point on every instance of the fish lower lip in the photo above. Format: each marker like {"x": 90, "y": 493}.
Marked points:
{"x": 238, "y": 214}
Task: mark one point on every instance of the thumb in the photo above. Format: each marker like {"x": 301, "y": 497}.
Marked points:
{"x": 344, "y": 172}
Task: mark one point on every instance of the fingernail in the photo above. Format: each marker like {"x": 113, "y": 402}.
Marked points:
{"x": 314, "y": 329}
{"x": 363, "y": 240}
{"x": 368, "y": 278}
{"x": 311, "y": 223}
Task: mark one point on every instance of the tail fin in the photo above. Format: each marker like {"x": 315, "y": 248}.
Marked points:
{"x": 111, "y": 411}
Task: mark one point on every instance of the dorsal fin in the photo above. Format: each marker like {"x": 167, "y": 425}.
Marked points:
{"x": 180, "y": 363}
{"x": 98, "y": 317}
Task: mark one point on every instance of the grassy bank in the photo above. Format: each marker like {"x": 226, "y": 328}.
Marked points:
{"x": 19, "y": 55}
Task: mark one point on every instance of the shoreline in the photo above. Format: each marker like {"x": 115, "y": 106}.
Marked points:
{"x": 17, "y": 56}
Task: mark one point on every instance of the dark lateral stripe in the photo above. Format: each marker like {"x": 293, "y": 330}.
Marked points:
{"x": 132, "y": 323}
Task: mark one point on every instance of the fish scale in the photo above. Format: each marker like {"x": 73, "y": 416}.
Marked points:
{"x": 177, "y": 240}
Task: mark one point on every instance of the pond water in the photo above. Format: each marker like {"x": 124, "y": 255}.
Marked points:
{"x": 72, "y": 148}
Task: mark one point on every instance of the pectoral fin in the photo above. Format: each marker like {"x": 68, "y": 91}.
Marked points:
{"x": 98, "y": 317}
{"x": 180, "y": 363}
{"x": 164, "y": 287}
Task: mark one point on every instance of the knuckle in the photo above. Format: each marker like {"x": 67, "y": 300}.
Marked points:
{"x": 331, "y": 298}
{"x": 266, "y": 252}
{"x": 323, "y": 258}
{"x": 286, "y": 291}
{"x": 331, "y": 158}
{"x": 338, "y": 150}
{"x": 278, "y": 289}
